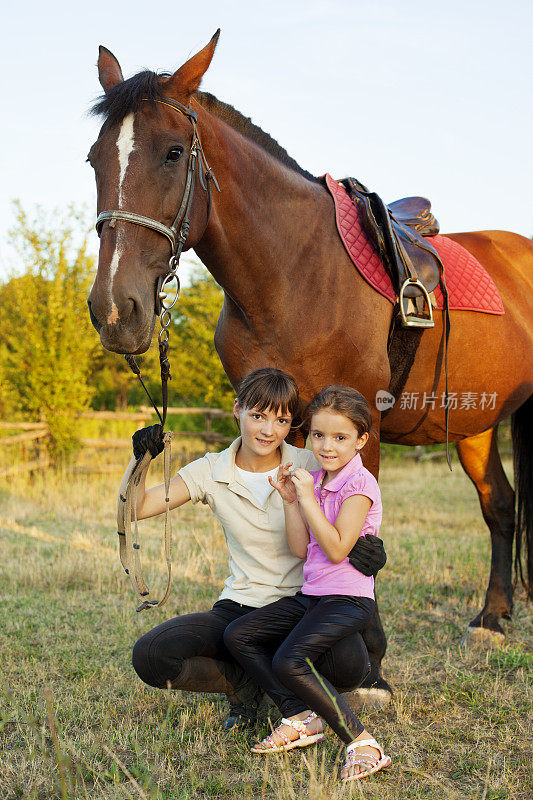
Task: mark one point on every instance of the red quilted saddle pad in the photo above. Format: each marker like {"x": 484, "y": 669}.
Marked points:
{"x": 470, "y": 287}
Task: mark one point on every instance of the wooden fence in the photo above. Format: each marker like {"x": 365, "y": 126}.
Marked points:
{"x": 34, "y": 431}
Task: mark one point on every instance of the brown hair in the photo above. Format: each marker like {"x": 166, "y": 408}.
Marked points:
{"x": 344, "y": 400}
{"x": 269, "y": 388}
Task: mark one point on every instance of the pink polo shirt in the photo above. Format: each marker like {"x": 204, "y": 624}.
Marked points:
{"x": 321, "y": 576}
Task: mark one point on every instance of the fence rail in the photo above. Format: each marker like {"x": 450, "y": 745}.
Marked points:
{"x": 30, "y": 436}
{"x": 38, "y": 431}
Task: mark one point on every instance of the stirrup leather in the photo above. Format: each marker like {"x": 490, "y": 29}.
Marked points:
{"x": 412, "y": 320}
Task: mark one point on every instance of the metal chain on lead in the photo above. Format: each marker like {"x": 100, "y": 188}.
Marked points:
{"x": 165, "y": 316}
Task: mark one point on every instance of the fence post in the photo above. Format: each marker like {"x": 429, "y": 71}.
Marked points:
{"x": 42, "y": 449}
{"x": 208, "y": 428}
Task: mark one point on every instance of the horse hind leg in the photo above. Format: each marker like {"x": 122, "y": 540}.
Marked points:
{"x": 522, "y": 433}
{"x": 481, "y": 461}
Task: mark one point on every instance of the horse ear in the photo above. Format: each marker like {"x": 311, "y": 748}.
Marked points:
{"x": 187, "y": 78}
{"x": 109, "y": 71}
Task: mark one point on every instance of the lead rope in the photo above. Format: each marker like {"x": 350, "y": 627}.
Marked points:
{"x": 129, "y": 547}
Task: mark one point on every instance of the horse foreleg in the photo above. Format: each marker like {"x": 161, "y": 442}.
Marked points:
{"x": 481, "y": 461}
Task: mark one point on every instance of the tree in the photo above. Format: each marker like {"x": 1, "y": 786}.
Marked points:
{"x": 197, "y": 374}
{"x": 46, "y": 344}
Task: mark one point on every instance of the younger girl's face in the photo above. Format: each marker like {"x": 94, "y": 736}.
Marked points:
{"x": 262, "y": 432}
{"x": 334, "y": 439}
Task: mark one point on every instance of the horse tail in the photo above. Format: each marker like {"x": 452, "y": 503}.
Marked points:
{"x": 522, "y": 433}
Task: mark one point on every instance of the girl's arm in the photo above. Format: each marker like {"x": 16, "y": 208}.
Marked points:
{"x": 337, "y": 540}
{"x": 151, "y": 502}
{"x": 296, "y": 528}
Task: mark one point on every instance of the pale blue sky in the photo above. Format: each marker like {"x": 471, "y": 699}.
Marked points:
{"x": 411, "y": 97}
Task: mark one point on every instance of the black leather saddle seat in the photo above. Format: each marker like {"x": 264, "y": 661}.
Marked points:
{"x": 398, "y": 232}
{"x": 415, "y": 212}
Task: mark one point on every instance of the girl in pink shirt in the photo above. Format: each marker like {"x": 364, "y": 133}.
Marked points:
{"x": 325, "y": 513}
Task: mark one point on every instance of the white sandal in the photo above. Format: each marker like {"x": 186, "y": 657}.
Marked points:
{"x": 304, "y": 739}
{"x": 371, "y": 762}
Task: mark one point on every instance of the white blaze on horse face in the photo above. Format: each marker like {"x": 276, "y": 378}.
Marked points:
{"x": 125, "y": 144}
{"x": 125, "y": 147}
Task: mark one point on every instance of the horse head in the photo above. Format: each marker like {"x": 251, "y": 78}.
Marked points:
{"x": 142, "y": 162}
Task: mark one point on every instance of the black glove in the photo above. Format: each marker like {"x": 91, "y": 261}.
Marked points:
{"x": 368, "y": 555}
{"x": 150, "y": 438}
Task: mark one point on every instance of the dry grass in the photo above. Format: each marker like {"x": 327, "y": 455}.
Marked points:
{"x": 76, "y": 723}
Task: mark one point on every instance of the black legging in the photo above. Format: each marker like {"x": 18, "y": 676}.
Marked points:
{"x": 189, "y": 653}
{"x": 302, "y": 628}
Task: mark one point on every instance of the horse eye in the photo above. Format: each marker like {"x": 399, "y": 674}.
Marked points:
{"x": 174, "y": 154}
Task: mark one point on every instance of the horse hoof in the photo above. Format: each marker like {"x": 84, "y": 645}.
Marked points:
{"x": 482, "y": 637}
{"x": 371, "y": 698}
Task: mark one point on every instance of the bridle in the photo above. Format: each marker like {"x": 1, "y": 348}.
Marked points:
{"x": 177, "y": 235}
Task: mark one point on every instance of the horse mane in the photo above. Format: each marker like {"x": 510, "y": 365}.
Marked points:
{"x": 244, "y": 125}
{"x": 125, "y": 97}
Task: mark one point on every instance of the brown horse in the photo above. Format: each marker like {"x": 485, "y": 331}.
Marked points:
{"x": 293, "y": 299}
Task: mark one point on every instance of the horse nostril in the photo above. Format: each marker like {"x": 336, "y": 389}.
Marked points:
{"x": 94, "y": 320}
{"x": 130, "y": 310}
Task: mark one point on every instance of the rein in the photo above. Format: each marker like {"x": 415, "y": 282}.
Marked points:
{"x": 177, "y": 235}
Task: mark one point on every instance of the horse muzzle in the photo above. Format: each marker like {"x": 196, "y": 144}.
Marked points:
{"x": 128, "y": 330}
{"x": 119, "y": 338}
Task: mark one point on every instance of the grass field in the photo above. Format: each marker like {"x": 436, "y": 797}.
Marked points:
{"x": 75, "y": 722}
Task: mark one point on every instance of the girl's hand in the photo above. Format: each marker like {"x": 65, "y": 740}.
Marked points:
{"x": 284, "y": 484}
{"x": 150, "y": 438}
{"x": 304, "y": 484}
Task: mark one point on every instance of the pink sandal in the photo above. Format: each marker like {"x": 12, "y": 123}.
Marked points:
{"x": 304, "y": 739}
{"x": 372, "y": 763}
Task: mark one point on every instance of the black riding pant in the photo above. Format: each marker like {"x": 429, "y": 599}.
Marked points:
{"x": 275, "y": 644}
{"x": 189, "y": 652}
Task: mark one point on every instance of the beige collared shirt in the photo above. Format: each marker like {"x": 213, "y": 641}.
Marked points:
{"x": 262, "y": 568}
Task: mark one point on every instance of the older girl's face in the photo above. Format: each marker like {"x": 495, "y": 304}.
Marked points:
{"x": 262, "y": 432}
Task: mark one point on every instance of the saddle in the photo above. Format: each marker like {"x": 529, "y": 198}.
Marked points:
{"x": 397, "y": 231}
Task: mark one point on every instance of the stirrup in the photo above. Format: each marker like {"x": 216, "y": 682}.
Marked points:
{"x": 414, "y": 321}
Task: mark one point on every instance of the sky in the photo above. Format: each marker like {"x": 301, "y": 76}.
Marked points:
{"x": 411, "y": 98}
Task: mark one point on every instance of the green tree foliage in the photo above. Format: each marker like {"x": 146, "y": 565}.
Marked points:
{"x": 197, "y": 374}
{"x": 112, "y": 382}
{"x": 46, "y": 340}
